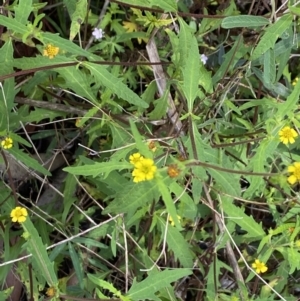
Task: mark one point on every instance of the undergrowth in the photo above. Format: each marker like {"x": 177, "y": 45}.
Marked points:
{"x": 149, "y": 150}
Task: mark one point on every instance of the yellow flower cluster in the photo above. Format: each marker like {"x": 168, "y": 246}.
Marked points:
{"x": 51, "y": 291}
{"x": 50, "y": 51}
{"x": 19, "y": 215}
{"x": 295, "y": 173}
{"x": 173, "y": 171}
{"x": 7, "y": 143}
{"x": 260, "y": 267}
{"x": 144, "y": 168}
{"x": 287, "y": 135}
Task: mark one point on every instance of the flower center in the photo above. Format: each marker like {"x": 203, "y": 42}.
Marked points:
{"x": 146, "y": 169}
{"x": 18, "y": 213}
{"x": 287, "y": 133}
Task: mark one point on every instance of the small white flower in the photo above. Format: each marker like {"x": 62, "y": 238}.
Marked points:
{"x": 203, "y": 58}
{"x": 98, "y": 33}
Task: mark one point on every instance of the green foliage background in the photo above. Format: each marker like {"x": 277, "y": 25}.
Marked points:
{"x": 144, "y": 88}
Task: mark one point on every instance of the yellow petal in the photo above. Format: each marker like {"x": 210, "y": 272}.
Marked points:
{"x": 292, "y": 179}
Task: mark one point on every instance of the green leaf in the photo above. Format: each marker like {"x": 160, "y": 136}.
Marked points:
{"x": 191, "y": 74}
{"x": 166, "y": 5}
{"x": 178, "y": 245}
{"x": 65, "y": 45}
{"x": 214, "y": 272}
{"x": 238, "y": 216}
{"x": 78, "y": 81}
{"x": 78, "y": 18}
{"x": 244, "y": 21}
{"x": 237, "y": 51}
{"x": 76, "y": 264}
{"x": 96, "y": 169}
{"x": 147, "y": 288}
{"x": 290, "y": 104}
{"x": 163, "y": 187}
{"x": 140, "y": 143}
{"x": 39, "y": 114}
{"x": 40, "y": 61}
{"x": 115, "y": 84}
{"x": 131, "y": 197}
{"x": 13, "y": 25}
{"x": 28, "y": 161}
{"x": 187, "y": 205}
{"x": 269, "y": 67}
{"x": 293, "y": 257}
{"x": 185, "y": 42}
{"x": 69, "y": 193}
{"x": 257, "y": 163}
{"x": 271, "y": 35}
{"x": 40, "y": 257}
{"x": 293, "y": 9}
{"x": 23, "y": 10}
{"x": 107, "y": 286}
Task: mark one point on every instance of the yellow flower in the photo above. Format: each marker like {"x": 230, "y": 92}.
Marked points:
{"x": 295, "y": 81}
{"x": 135, "y": 158}
{"x": 295, "y": 170}
{"x": 172, "y": 222}
{"x": 144, "y": 170}
{"x": 7, "y": 143}
{"x": 51, "y": 291}
{"x": 50, "y": 51}
{"x": 173, "y": 171}
{"x": 259, "y": 267}
{"x": 18, "y": 214}
{"x": 287, "y": 135}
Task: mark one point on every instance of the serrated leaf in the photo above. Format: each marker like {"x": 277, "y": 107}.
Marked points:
{"x": 244, "y": 21}
{"x": 178, "y": 245}
{"x": 13, "y": 25}
{"x": 131, "y": 197}
{"x": 76, "y": 264}
{"x": 266, "y": 148}
{"x": 28, "y": 161}
{"x": 104, "y": 284}
{"x": 269, "y": 67}
{"x": 40, "y": 257}
{"x": 147, "y": 288}
{"x": 78, "y": 18}
{"x": 191, "y": 74}
{"x": 40, "y": 61}
{"x": 185, "y": 41}
{"x": 96, "y": 169}
{"x": 271, "y": 35}
{"x": 65, "y": 45}
{"x": 115, "y": 84}
{"x": 163, "y": 187}
{"x": 238, "y": 216}
{"x": 39, "y": 114}
{"x": 23, "y": 10}
{"x": 78, "y": 81}
{"x": 228, "y": 182}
